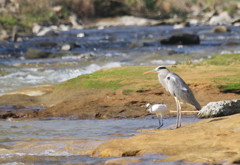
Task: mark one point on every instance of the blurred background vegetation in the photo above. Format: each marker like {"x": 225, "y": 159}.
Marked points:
{"x": 24, "y": 13}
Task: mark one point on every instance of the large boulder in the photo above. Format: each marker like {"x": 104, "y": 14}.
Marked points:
{"x": 221, "y": 19}
{"x": 220, "y": 108}
{"x": 182, "y": 39}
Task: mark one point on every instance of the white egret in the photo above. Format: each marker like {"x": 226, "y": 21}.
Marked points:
{"x": 159, "y": 110}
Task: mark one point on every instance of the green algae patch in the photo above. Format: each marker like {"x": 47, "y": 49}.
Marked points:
{"x": 99, "y": 84}
{"x": 222, "y": 59}
{"x": 229, "y": 80}
{"x": 113, "y": 79}
{"x": 132, "y": 79}
{"x": 234, "y": 88}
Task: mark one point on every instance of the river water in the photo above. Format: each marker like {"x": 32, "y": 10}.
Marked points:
{"x": 64, "y": 141}
{"x": 102, "y": 48}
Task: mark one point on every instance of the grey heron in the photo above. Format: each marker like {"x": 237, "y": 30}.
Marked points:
{"x": 159, "y": 110}
{"x": 175, "y": 85}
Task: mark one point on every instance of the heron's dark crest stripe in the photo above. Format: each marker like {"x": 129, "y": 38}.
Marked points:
{"x": 162, "y": 67}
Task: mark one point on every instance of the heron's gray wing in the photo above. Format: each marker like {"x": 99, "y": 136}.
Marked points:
{"x": 178, "y": 88}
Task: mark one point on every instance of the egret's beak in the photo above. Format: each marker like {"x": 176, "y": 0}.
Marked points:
{"x": 147, "y": 110}
{"x": 151, "y": 71}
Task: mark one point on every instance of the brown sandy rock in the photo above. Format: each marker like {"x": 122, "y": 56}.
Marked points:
{"x": 212, "y": 141}
{"x": 121, "y": 161}
{"x": 220, "y": 29}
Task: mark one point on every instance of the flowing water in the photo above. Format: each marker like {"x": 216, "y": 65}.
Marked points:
{"x": 69, "y": 141}
{"x": 102, "y": 48}
{"x": 65, "y": 141}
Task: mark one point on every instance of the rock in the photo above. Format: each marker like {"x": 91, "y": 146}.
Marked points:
{"x": 182, "y": 39}
{"x": 220, "y": 29}
{"x": 64, "y": 27}
{"x": 36, "y": 53}
{"x": 236, "y": 22}
{"x": 231, "y": 43}
{"x": 181, "y": 25}
{"x": 126, "y": 21}
{"x": 3, "y": 35}
{"x": 212, "y": 140}
{"x": 66, "y": 47}
{"x": 43, "y": 31}
{"x": 57, "y": 8}
{"x": 121, "y": 161}
{"x": 36, "y": 28}
{"x": 207, "y": 16}
{"x": 221, "y": 19}
{"x": 48, "y": 31}
{"x": 16, "y": 111}
{"x": 194, "y": 21}
{"x": 14, "y": 36}
{"x": 75, "y": 22}
{"x": 80, "y": 35}
{"x": 220, "y": 108}
{"x": 47, "y": 44}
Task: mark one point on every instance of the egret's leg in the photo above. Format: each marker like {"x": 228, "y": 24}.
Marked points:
{"x": 160, "y": 119}
{"x": 180, "y": 114}
{"x": 176, "y": 100}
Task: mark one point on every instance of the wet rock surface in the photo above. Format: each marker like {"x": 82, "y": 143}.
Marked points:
{"x": 221, "y": 29}
{"x": 36, "y": 54}
{"x": 221, "y": 134}
{"x": 18, "y": 111}
{"x": 181, "y": 39}
{"x": 220, "y": 108}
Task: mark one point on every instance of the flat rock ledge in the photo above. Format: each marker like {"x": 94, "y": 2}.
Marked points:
{"x": 220, "y": 108}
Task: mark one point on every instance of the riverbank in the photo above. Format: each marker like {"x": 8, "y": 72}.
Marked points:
{"x": 20, "y": 18}
{"x": 208, "y": 141}
{"x": 122, "y": 92}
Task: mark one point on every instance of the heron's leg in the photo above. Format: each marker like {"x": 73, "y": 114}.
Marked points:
{"x": 180, "y": 113}
{"x": 160, "y": 119}
{"x": 176, "y": 100}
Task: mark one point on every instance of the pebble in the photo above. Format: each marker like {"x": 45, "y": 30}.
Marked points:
{"x": 66, "y": 47}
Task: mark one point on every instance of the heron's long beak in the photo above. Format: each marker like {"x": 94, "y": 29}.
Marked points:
{"x": 151, "y": 71}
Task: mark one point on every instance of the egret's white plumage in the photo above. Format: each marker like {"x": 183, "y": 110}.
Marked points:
{"x": 159, "y": 110}
{"x": 175, "y": 85}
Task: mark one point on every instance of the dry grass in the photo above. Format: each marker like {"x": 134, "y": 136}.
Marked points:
{"x": 29, "y": 6}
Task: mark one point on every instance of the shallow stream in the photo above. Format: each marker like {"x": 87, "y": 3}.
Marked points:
{"x": 93, "y": 49}
{"x": 65, "y": 141}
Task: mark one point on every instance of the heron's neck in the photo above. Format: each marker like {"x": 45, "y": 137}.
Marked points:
{"x": 163, "y": 73}
{"x": 150, "y": 108}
